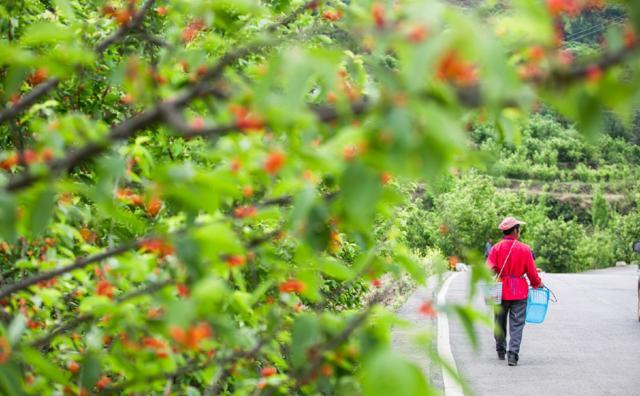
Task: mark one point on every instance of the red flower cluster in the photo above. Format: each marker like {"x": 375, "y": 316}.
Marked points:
{"x": 246, "y": 120}
{"x": 104, "y": 288}
{"x": 292, "y": 286}
{"x": 191, "y": 338}
{"x": 427, "y": 309}
{"x": 245, "y": 211}
{"x": 236, "y": 260}
{"x": 191, "y": 31}
{"x": 275, "y": 161}
{"x": 29, "y": 157}
{"x": 158, "y": 246}
{"x": 454, "y": 69}
{"x": 572, "y": 8}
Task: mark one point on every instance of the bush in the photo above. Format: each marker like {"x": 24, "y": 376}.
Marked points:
{"x": 595, "y": 251}
{"x": 555, "y": 244}
{"x": 627, "y": 231}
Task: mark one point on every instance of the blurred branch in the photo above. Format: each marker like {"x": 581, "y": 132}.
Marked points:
{"x": 152, "y": 116}
{"x": 78, "y": 264}
{"x": 580, "y": 72}
{"x": 190, "y": 367}
{"x": 309, "y": 5}
{"x": 44, "y": 341}
{"x": 133, "y": 24}
{"x": 29, "y": 99}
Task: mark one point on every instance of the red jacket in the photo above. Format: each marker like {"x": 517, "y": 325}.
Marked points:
{"x": 519, "y": 263}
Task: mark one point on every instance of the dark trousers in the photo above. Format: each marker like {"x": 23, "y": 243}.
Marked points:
{"x": 516, "y": 310}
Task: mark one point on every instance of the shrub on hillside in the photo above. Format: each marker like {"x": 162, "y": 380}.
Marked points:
{"x": 555, "y": 243}
{"x": 626, "y": 231}
{"x": 595, "y": 251}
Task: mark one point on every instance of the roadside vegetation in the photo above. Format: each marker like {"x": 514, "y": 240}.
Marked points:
{"x": 209, "y": 197}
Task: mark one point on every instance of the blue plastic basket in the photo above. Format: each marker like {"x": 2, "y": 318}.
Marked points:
{"x": 537, "y": 304}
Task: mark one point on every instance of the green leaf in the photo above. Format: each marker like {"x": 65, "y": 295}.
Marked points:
{"x": 64, "y": 8}
{"x": 44, "y": 366}
{"x": 306, "y": 333}
{"x": 41, "y": 211}
{"x": 414, "y": 269}
{"x": 317, "y": 231}
{"x": 360, "y": 188}
{"x": 387, "y": 373}
{"x": 46, "y": 33}
{"x": 336, "y": 269}
{"x": 16, "y": 328}
{"x": 90, "y": 371}
{"x": 9, "y": 217}
{"x": 11, "y": 379}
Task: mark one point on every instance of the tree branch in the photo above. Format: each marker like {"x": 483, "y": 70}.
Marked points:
{"x": 44, "y": 341}
{"x": 78, "y": 264}
{"x": 29, "y": 99}
{"x": 133, "y": 24}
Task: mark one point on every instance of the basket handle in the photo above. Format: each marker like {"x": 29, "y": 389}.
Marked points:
{"x": 555, "y": 299}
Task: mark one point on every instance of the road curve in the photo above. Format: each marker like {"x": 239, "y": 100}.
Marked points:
{"x": 589, "y": 343}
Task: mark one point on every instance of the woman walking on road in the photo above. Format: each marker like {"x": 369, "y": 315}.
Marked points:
{"x": 512, "y": 259}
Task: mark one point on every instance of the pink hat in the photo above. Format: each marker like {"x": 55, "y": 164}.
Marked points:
{"x": 509, "y": 222}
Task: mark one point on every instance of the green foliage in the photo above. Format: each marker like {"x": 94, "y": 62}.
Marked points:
{"x": 600, "y": 211}
{"x": 556, "y": 244}
{"x": 196, "y": 195}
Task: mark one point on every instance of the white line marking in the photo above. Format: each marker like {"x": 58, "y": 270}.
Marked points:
{"x": 451, "y": 386}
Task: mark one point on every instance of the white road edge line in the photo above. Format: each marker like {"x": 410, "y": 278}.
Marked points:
{"x": 451, "y": 386}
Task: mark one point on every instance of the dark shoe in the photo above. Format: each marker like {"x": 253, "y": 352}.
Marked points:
{"x": 512, "y": 359}
{"x": 500, "y": 355}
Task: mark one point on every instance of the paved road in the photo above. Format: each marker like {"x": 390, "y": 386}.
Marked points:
{"x": 588, "y": 345}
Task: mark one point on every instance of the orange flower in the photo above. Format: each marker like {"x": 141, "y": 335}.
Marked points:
{"x": 452, "y": 68}
{"x": 47, "y": 154}
{"x": 630, "y": 37}
{"x": 73, "y": 366}
{"x": 268, "y": 371}
{"x": 235, "y": 165}
{"x": 427, "y": 309}
{"x": 350, "y": 152}
{"x": 153, "y": 343}
{"x": 88, "y": 235}
{"x": 9, "y": 162}
{"x": 385, "y": 177}
{"x": 245, "y": 211}
{"x": 158, "y": 246}
{"x": 162, "y": 11}
{"x": 594, "y": 73}
{"x": 104, "y": 288}
{"x": 568, "y": 7}
{"x": 292, "y": 286}
{"x": 326, "y": 370}
{"x": 191, "y": 31}
{"x": 536, "y": 53}
{"x": 249, "y": 122}
{"x": 153, "y": 206}
{"x": 377, "y": 11}
{"x": 236, "y": 261}
{"x": 376, "y": 283}
{"x": 154, "y": 313}
{"x": 5, "y": 350}
{"x": 275, "y": 161}
{"x": 183, "y": 290}
{"x": 103, "y": 382}
{"x": 39, "y": 76}
{"x": 247, "y": 191}
{"x": 192, "y": 337}
{"x": 417, "y": 34}
{"x": 129, "y": 197}
{"x": 332, "y": 15}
